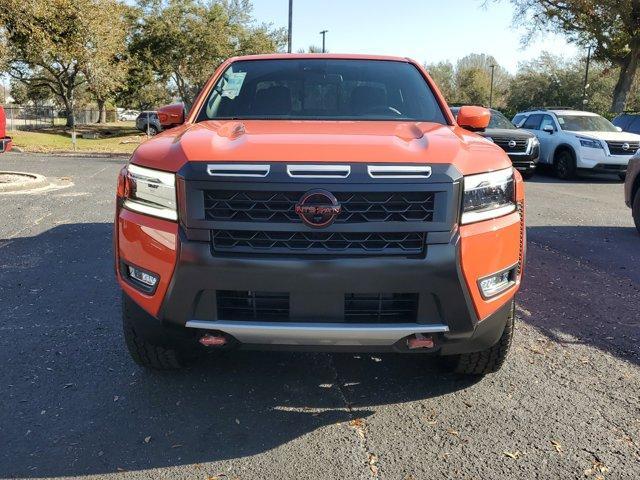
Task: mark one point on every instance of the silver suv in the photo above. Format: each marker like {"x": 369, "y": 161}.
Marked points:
{"x": 572, "y": 140}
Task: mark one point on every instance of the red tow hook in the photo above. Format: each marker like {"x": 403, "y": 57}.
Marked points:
{"x": 420, "y": 341}
{"x": 209, "y": 340}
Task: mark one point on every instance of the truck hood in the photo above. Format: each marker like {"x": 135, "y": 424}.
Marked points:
{"x": 320, "y": 141}
{"x": 609, "y": 136}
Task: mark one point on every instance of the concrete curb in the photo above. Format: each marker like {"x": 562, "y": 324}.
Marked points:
{"x": 31, "y": 181}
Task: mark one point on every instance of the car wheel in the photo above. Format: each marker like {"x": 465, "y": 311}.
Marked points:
{"x": 564, "y": 165}
{"x": 143, "y": 350}
{"x": 152, "y": 130}
{"x": 486, "y": 361}
{"x": 636, "y": 210}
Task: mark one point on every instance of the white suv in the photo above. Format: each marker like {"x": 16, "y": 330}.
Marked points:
{"x": 572, "y": 140}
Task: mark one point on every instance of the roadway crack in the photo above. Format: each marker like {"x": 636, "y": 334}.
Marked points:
{"x": 358, "y": 425}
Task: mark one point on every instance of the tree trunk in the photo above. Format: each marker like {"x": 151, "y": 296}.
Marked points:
{"x": 102, "y": 117}
{"x": 627, "y": 73}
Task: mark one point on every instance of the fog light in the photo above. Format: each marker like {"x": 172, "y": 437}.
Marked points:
{"x": 139, "y": 278}
{"x": 144, "y": 277}
{"x": 497, "y": 283}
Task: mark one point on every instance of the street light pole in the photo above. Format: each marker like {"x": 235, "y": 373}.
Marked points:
{"x": 586, "y": 77}
{"x": 492, "y": 67}
{"x": 289, "y": 38}
{"x": 323, "y": 33}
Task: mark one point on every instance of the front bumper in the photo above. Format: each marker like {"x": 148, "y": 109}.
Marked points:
{"x": 448, "y": 306}
{"x": 193, "y": 277}
{"x": 600, "y": 161}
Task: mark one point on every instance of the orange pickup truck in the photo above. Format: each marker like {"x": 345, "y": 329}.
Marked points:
{"x": 5, "y": 142}
{"x": 323, "y": 202}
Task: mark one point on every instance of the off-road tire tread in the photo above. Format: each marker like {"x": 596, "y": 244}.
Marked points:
{"x": 489, "y": 360}
{"x": 145, "y": 353}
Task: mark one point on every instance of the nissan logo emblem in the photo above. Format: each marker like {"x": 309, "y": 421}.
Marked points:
{"x": 318, "y": 208}
{"x": 625, "y": 146}
{"x": 512, "y": 143}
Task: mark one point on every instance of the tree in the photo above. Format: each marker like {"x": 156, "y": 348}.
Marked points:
{"x": 443, "y": 74}
{"x": 35, "y": 94}
{"x": 550, "y": 80}
{"x": 185, "y": 40}
{"x": 612, "y": 26}
{"x": 312, "y": 49}
{"x": 106, "y": 66}
{"x": 60, "y": 45}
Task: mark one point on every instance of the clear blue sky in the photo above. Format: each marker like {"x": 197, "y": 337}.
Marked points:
{"x": 427, "y": 30}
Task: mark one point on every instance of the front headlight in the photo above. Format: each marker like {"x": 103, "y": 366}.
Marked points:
{"x": 590, "y": 143}
{"x": 488, "y": 195}
{"x": 151, "y": 192}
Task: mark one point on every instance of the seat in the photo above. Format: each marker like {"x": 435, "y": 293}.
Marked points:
{"x": 365, "y": 97}
{"x": 272, "y": 101}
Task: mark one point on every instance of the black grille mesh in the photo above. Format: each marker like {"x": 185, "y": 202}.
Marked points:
{"x": 248, "y": 305}
{"x": 279, "y": 207}
{"x": 503, "y": 142}
{"x": 390, "y": 243}
{"x": 380, "y": 308}
{"x": 615, "y": 148}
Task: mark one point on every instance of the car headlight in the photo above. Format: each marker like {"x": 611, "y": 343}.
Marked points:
{"x": 590, "y": 143}
{"x": 488, "y": 195}
{"x": 151, "y": 192}
{"x": 534, "y": 142}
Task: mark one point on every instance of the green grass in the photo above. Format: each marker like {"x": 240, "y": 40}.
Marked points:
{"x": 119, "y": 137}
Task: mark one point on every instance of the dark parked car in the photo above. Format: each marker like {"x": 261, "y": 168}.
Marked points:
{"x": 522, "y": 147}
{"x": 628, "y": 122}
{"x": 151, "y": 119}
{"x": 632, "y": 189}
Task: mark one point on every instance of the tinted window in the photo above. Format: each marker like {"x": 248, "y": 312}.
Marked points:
{"x": 533, "y": 122}
{"x": 498, "y": 120}
{"x": 517, "y": 119}
{"x": 322, "y": 89}
{"x": 585, "y": 123}
{"x": 547, "y": 121}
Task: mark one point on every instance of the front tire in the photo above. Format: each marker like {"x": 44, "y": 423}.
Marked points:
{"x": 564, "y": 165}
{"x": 143, "y": 350}
{"x": 486, "y": 361}
{"x": 636, "y": 210}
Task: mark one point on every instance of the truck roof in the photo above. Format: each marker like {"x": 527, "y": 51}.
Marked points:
{"x": 333, "y": 56}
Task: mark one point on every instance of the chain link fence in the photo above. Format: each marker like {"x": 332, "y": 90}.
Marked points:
{"x": 37, "y": 118}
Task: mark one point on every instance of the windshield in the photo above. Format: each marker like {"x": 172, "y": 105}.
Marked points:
{"x": 498, "y": 120}
{"x": 585, "y": 123}
{"x": 318, "y": 89}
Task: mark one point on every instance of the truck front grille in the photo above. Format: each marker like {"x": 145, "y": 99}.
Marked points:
{"x": 520, "y": 146}
{"x": 248, "y": 305}
{"x": 352, "y": 243}
{"x": 616, "y": 148}
{"x": 279, "y": 207}
{"x": 380, "y": 307}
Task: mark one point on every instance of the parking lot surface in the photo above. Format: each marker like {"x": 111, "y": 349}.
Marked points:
{"x": 566, "y": 404}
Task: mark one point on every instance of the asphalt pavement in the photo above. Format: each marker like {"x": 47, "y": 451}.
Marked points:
{"x": 72, "y": 403}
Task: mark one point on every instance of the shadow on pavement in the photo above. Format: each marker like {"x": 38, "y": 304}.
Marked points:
{"x": 544, "y": 174}
{"x": 582, "y": 285}
{"x": 74, "y": 403}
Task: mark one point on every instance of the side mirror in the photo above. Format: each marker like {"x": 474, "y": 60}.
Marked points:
{"x": 619, "y": 129}
{"x": 171, "y": 115}
{"x": 548, "y": 129}
{"x": 474, "y": 118}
